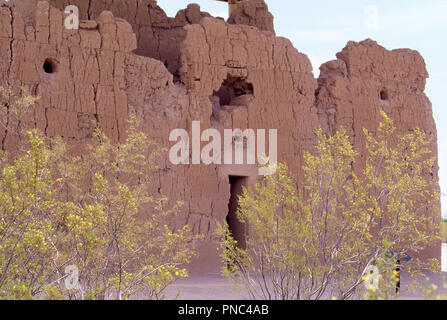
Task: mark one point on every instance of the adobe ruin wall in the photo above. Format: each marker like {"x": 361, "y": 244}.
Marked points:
{"x": 129, "y": 56}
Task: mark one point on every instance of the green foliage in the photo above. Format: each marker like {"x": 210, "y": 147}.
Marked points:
{"x": 15, "y": 108}
{"x": 89, "y": 208}
{"x": 318, "y": 243}
{"x": 387, "y": 279}
{"x": 27, "y": 206}
{"x": 444, "y": 231}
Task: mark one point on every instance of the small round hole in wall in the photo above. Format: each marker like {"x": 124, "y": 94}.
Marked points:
{"x": 49, "y": 66}
{"x": 384, "y": 95}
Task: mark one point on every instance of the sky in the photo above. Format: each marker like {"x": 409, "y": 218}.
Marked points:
{"x": 322, "y": 28}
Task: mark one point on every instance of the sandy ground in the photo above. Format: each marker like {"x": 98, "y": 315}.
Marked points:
{"x": 214, "y": 287}
{"x": 217, "y": 288}
{"x": 204, "y": 288}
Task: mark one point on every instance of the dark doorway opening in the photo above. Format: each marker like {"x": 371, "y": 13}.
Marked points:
{"x": 237, "y": 228}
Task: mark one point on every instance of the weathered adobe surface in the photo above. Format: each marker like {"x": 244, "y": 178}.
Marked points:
{"x": 367, "y": 78}
{"x": 104, "y": 70}
{"x": 253, "y": 13}
{"x": 158, "y": 35}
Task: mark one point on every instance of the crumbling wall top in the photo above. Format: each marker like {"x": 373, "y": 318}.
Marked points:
{"x": 253, "y": 13}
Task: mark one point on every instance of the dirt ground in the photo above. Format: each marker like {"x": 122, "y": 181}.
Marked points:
{"x": 217, "y": 288}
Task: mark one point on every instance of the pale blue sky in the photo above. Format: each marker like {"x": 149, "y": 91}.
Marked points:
{"x": 322, "y": 28}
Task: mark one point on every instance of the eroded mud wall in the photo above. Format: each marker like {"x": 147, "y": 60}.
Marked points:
{"x": 226, "y": 76}
{"x": 367, "y": 78}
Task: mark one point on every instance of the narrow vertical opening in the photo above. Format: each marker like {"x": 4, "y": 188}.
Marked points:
{"x": 237, "y": 228}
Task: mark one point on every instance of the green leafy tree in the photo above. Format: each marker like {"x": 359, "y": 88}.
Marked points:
{"x": 15, "y": 110}
{"x": 119, "y": 249}
{"x": 83, "y": 216}
{"x": 321, "y": 242}
{"x": 27, "y": 205}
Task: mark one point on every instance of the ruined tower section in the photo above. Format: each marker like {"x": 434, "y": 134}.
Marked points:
{"x": 367, "y": 78}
